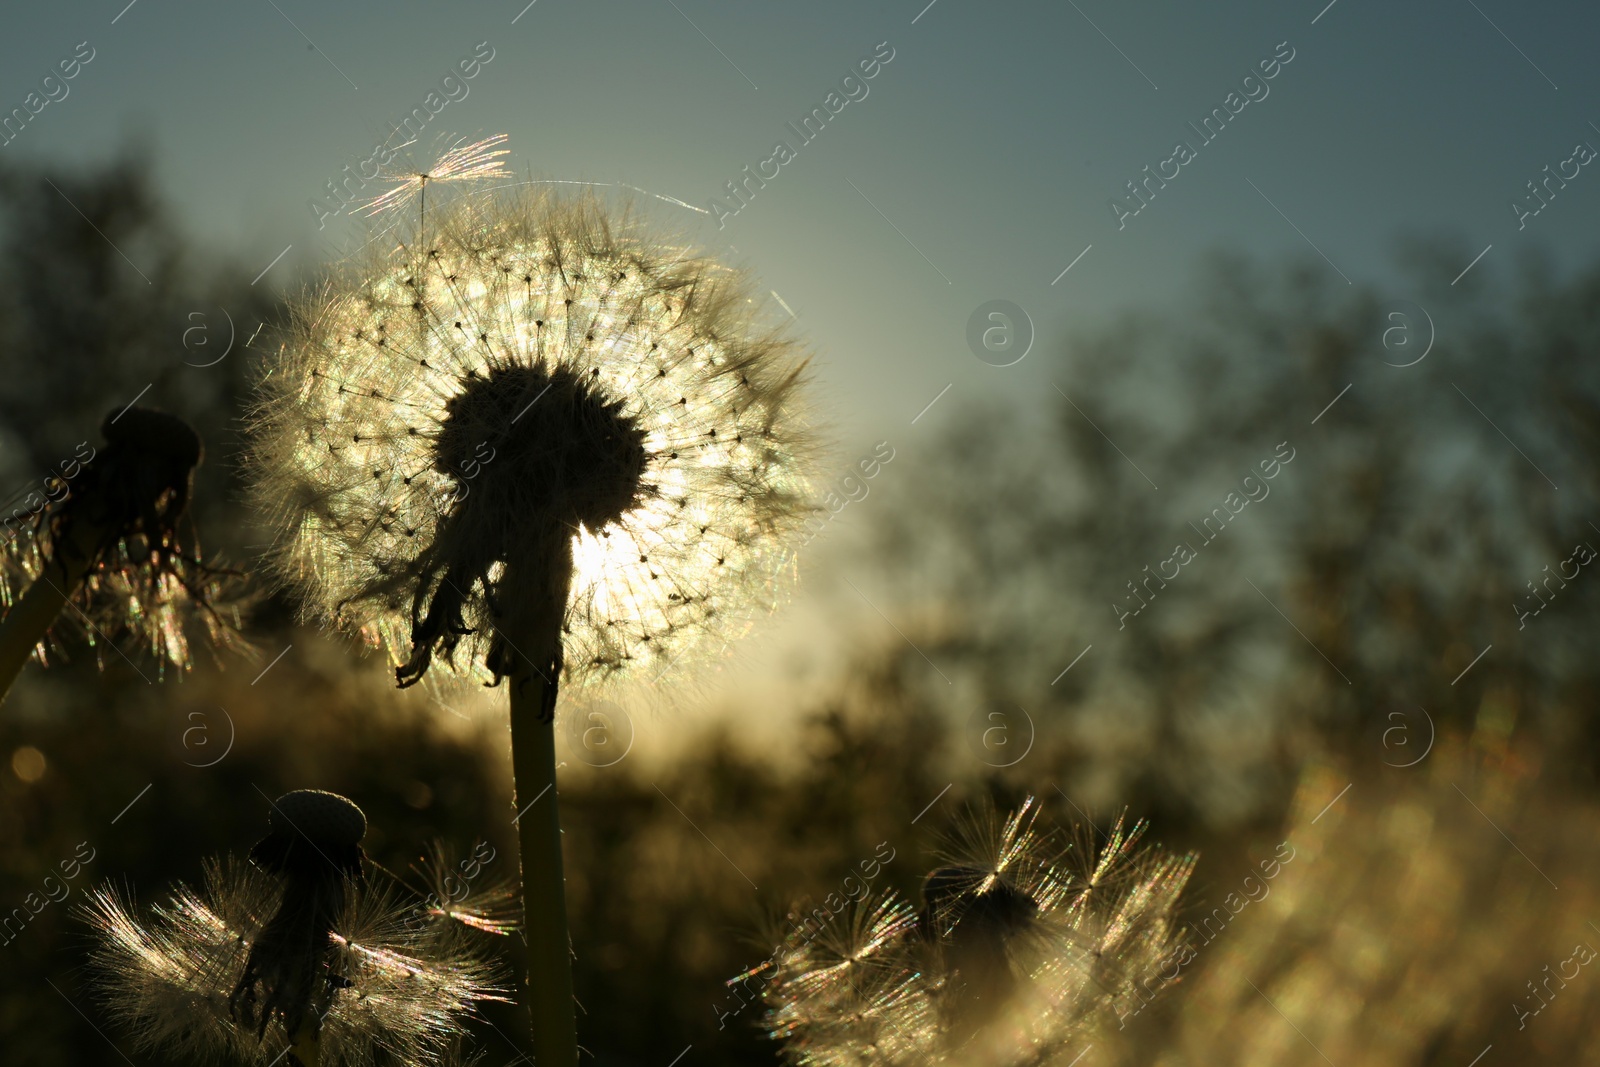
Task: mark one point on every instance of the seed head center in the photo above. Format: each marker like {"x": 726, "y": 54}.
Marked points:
{"x": 529, "y": 444}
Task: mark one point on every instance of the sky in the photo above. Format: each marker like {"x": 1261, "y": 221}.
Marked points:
{"x": 977, "y": 164}
{"x": 986, "y": 159}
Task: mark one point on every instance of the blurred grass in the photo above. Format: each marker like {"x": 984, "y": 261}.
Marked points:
{"x": 1404, "y": 932}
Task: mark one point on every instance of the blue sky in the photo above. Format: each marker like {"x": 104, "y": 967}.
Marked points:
{"x": 980, "y": 164}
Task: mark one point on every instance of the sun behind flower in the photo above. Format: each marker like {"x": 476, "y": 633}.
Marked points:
{"x": 540, "y": 404}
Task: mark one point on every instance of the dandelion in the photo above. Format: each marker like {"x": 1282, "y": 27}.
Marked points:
{"x": 293, "y": 953}
{"x": 114, "y": 544}
{"x": 538, "y": 443}
{"x": 547, "y": 383}
{"x": 1013, "y": 958}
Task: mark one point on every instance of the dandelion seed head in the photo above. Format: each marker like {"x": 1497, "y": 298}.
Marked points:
{"x": 539, "y": 400}
{"x": 312, "y": 831}
{"x": 126, "y": 511}
{"x": 386, "y": 989}
{"x": 1009, "y": 961}
{"x": 313, "y": 845}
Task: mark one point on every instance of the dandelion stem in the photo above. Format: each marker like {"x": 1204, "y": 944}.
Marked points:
{"x": 25, "y": 625}
{"x": 533, "y": 762}
{"x": 306, "y": 1047}
{"x": 422, "y": 213}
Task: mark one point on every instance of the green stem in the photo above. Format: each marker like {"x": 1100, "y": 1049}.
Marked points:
{"x": 533, "y": 763}
{"x": 24, "y": 626}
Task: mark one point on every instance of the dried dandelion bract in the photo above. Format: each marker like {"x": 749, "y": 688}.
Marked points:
{"x": 538, "y": 387}
{"x": 118, "y": 544}
{"x": 399, "y": 987}
{"x": 1023, "y": 946}
{"x": 165, "y": 613}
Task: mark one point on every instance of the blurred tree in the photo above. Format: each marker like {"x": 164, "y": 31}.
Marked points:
{"x": 1377, "y": 563}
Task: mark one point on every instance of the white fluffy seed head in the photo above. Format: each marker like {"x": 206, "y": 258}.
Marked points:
{"x": 166, "y": 975}
{"x": 535, "y": 371}
{"x": 1017, "y": 955}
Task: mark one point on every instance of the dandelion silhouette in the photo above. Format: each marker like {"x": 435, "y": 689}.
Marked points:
{"x": 536, "y": 443}
{"x": 117, "y": 548}
{"x": 294, "y": 953}
{"x": 1013, "y": 958}
{"x": 315, "y": 847}
{"x": 546, "y": 382}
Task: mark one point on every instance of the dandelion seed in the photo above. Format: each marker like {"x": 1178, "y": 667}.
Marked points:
{"x": 1009, "y": 961}
{"x": 456, "y": 894}
{"x": 291, "y": 951}
{"x": 842, "y": 956}
{"x": 116, "y": 548}
{"x": 459, "y": 163}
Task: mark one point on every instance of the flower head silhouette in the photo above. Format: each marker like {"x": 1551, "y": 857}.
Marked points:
{"x": 294, "y": 948}
{"x": 1013, "y": 958}
{"x": 542, "y": 409}
{"x": 115, "y": 547}
{"x": 535, "y": 442}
